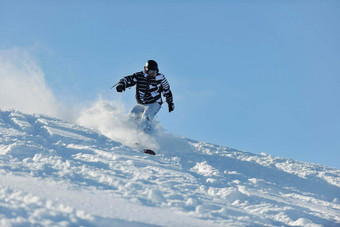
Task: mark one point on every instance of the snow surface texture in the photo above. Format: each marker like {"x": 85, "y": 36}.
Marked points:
{"x": 58, "y": 173}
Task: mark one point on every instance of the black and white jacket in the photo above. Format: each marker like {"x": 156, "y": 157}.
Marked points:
{"x": 149, "y": 89}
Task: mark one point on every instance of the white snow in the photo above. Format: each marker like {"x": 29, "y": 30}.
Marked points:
{"x": 56, "y": 173}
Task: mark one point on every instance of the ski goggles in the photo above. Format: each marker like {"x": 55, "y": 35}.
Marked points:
{"x": 151, "y": 71}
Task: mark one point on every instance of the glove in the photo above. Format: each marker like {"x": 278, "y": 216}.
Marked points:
{"x": 120, "y": 87}
{"x": 171, "y": 107}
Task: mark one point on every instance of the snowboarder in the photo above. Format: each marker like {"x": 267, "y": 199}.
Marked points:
{"x": 150, "y": 85}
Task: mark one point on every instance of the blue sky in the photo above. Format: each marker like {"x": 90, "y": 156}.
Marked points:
{"x": 258, "y": 76}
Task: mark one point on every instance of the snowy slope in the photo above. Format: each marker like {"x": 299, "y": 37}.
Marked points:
{"x": 57, "y": 173}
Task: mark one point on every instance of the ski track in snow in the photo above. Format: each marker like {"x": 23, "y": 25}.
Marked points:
{"x": 57, "y": 173}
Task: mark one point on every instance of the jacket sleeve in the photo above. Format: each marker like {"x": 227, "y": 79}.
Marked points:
{"x": 129, "y": 81}
{"x": 166, "y": 91}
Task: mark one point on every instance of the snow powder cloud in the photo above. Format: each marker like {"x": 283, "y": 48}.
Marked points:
{"x": 23, "y": 86}
{"x": 111, "y": 120}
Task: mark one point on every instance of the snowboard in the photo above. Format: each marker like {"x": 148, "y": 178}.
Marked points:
{"x": 148, "y": 151}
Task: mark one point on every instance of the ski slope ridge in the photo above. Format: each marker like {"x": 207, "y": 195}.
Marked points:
{"x": 58, "y": 173}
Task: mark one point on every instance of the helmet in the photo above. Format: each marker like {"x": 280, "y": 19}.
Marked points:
{"x": 151, "y": 65}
